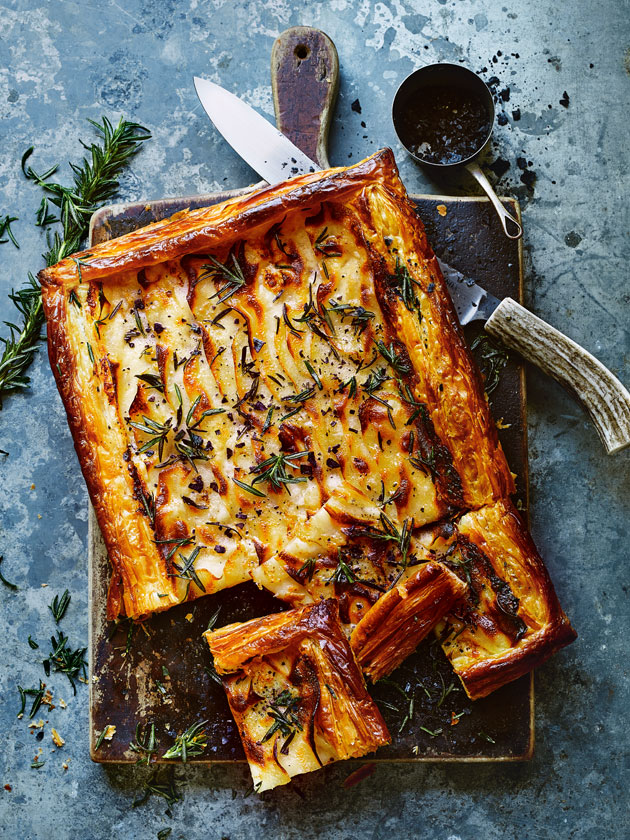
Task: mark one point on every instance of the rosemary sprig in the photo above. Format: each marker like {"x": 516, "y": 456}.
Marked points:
{"x": 187, "y": 569}
{"x": 158, "y": 433}
{"x": 404, "y": 284}
{"x": 5, "y": 228}
{"x": 145, "y": 745}
{"x": 284, "y": 713}
{"x": 248, "y": 487}
{"x": 493, "y": 359}
{"x": 190, "y": 743}
{"x": 175, "y": 543}
{"x": 343, "y": 573}
{"x": 396, "y": 360}
{"x": 273, "y": 470}
{"x": 160, "y": 783}
{"x": 21, "y": 345}
{"x": 153, "y": 380}
{"x": 59, "y": 606}
{"x": 61, "y": 658}
{"x": 360, "y": 317}
{"x": 95, "y": 181}
{"x": 36, "y": 693}
{"x": 233, "y": 277}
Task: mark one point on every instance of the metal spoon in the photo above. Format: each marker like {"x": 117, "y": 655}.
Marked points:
{"x": 409, "y": 96}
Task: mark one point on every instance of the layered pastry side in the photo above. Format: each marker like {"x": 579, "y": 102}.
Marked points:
{"x": 296, "y": 693}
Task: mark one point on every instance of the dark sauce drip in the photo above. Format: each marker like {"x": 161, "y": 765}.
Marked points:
{"x": 442, "y": 124}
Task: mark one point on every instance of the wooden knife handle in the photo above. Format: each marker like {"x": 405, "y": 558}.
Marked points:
{"x": 305, "y": 81}
{"x": 601, "y": 393}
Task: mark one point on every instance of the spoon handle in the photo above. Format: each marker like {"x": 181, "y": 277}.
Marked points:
{"x": 504, "y": 216}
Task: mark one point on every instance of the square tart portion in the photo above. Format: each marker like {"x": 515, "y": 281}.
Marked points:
{"x": 510, "y": 620}
{"x": 296, "y": 693}
{"x": 229, "y": 372}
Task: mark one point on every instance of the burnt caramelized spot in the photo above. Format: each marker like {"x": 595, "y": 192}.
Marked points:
{"x": 109, "y": 376}
{"x": 475, "y": 568}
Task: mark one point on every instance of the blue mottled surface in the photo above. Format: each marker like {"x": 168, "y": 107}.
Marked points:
{"x": 61, "y": 62}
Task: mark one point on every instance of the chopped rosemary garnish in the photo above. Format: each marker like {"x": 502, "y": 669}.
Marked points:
{"x": 74, "y": 299}
{"x": 233, "y": 277}
{"x": 32, "y": 643}
{"x": 383, "y": 502}
{"x": 60, "y": 605}
{"x": 308, "y": 568}
{"x": 432, "y": 733}
{"x": 161, "y": 783}
{"x": 145, "y": 746}
{"x": 284, "y": 713}
{"x": 426, "y": 463}
{"x": 389, "y": 532}
{"x": 311, "y": 370}
{"x": 273, "y": 470}
{"x": 360, "y": 317}
{"x": 5, "y": 227}
{"x": 267, "y": 422}
{"x": 494, "y": 358}
{"x": 6, "y": 582}
{"x": 375, "y": 382}
{"x": 21, "y": 345}
{"x": 148, "y": 504}
{"x": 36, "y": 693}
{"x": 187, "y": 570}
{"x": 343, "y": 573}
{"x": 175, "y": 542}
{"x": 158, "y": 433}
{"x": 404, "y": 283}
{"x": 61, "y": 658}
{"x": 213, "y": 619}
{"x": 302, "y": 397}
{"x": 396, "y": 360}
{"x": 153, "y": 380}
{"x": 253, "y": 490}
{"x": 287, "y": 320}
{"x": 190, "y": 743}
{"x": 351, "y": 384}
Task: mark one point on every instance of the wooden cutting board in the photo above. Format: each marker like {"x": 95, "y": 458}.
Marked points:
{"x": 155, "y": 672}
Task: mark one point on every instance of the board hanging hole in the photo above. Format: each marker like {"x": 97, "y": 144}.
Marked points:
{"x": 301, "y": 52}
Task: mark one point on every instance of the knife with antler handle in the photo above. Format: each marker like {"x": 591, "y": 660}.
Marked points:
{"x": 267, "y": 150}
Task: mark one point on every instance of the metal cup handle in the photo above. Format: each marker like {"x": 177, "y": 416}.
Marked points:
{"x": 504, "y": 216}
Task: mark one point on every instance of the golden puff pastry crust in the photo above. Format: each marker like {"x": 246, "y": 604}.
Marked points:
{"x": 232, "y": 372}
{"x": 296, "y": 693}
{"x": 510, "y": 620}
{"x": 394, "y": 627}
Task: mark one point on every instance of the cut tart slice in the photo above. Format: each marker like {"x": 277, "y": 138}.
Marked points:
{"x": 228, "y": 371}
{"x": 394, "y": 627}
{"x": 296, "y": 693}
{"x": 510, "y": 620}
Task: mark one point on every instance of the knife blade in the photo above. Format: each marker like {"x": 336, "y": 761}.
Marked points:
{"x": 607, "y": 401}
{"x": 255, "y": 139}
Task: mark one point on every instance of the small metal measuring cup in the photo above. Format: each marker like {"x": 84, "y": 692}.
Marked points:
{"x": 452, "y": 76}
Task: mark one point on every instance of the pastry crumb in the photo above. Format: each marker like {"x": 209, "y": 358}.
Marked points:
{"x": 441, "y": 208}
{"x": 110, "y": 731}
{"x": 501, "y": 425}
{"x": 57, "y": 739}
{"x": 189, "y": 617}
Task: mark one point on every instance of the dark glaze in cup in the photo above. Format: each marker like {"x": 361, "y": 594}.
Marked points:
{"x": 408, "y": 107}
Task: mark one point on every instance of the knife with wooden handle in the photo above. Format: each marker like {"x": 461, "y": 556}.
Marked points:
{"x": 305, "y": 54}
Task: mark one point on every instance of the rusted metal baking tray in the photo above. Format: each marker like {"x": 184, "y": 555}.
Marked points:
{"x": 155, "y": 672}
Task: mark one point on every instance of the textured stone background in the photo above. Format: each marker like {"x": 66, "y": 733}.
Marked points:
{"x": 61, "y": 62}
